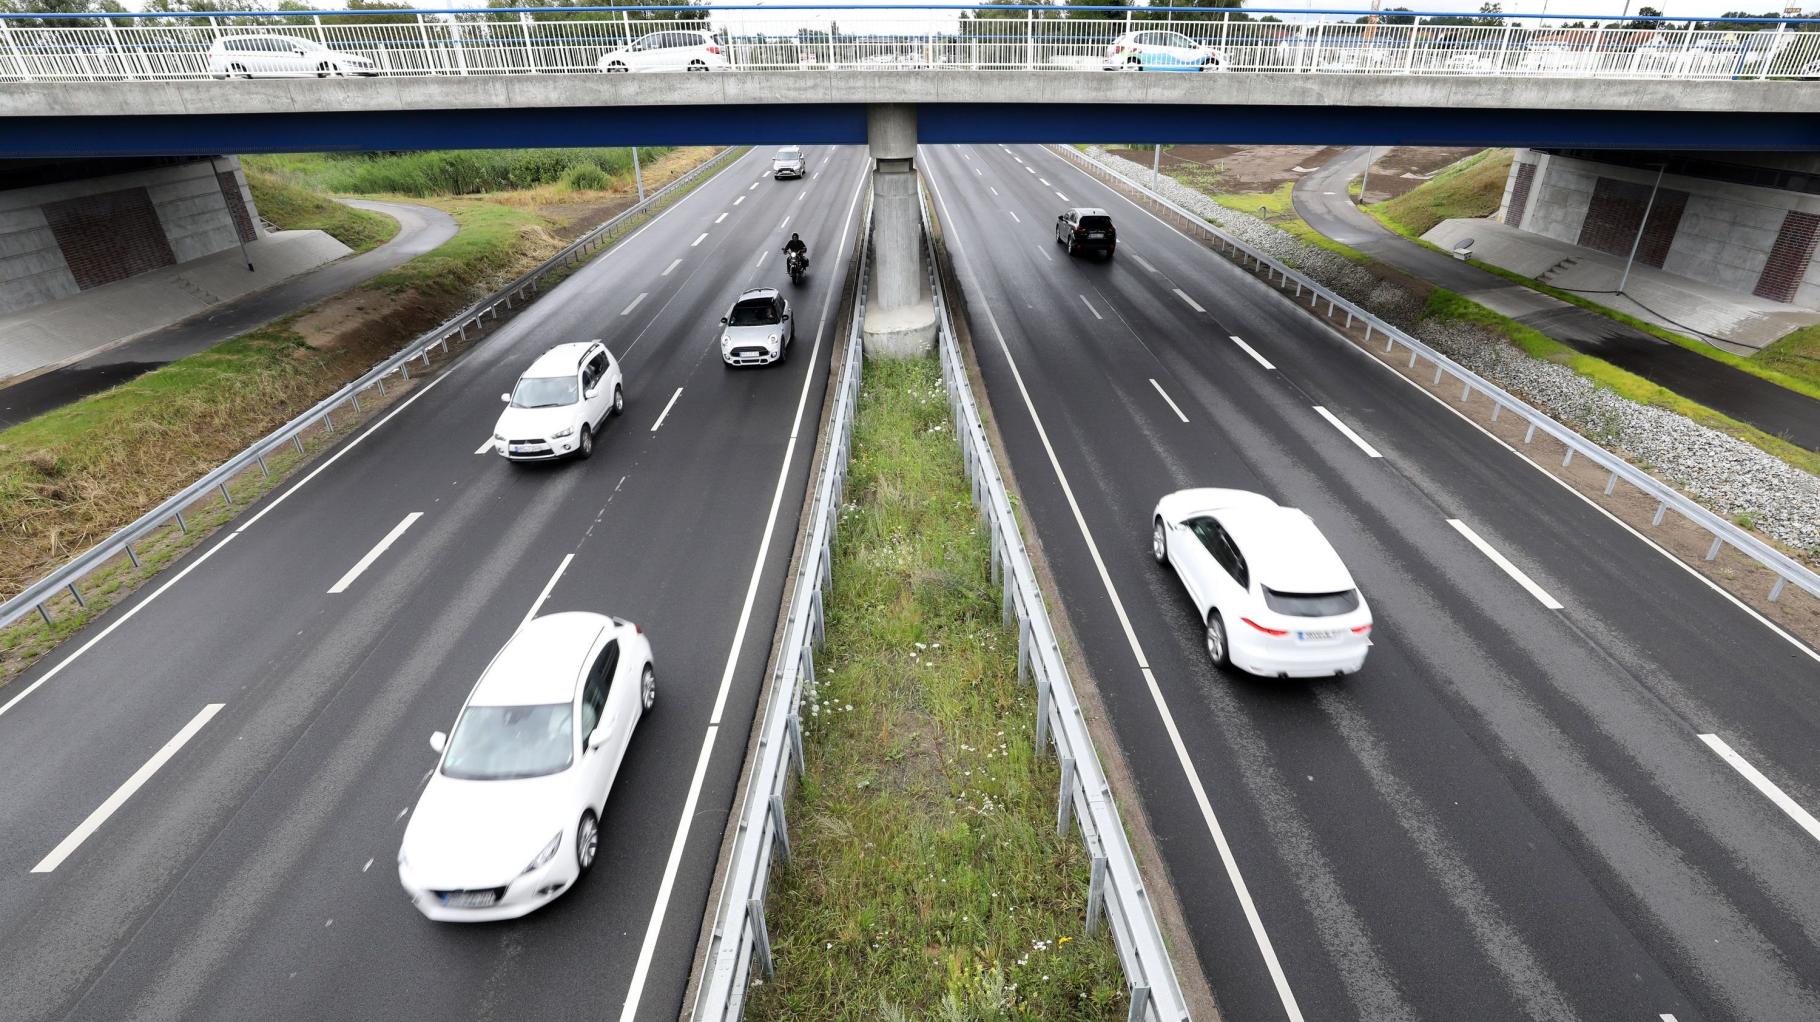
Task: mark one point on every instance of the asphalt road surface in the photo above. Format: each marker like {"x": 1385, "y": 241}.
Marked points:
{"x": 420, "y": 229}
{"x": 1510, "y": 813}
{"x": 1321, "y": 199}
{"x": 252, "y": 874}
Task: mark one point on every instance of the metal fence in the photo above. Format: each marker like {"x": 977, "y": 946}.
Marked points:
{"x": 581, "y": 39}
{"x": 1304, "y": 289}
{"x": 66, "y": 579}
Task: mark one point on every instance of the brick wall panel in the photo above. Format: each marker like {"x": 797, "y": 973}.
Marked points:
{"x": 1789, "y": 257}
{"x": 1616, "y": 211}
{"x": 110, "y": 236}
{"x": 230, "y": 193}
{"x": 1519, "y": 194}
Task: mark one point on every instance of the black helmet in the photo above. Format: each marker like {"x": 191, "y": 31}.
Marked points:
{"x": 795, "y": 236}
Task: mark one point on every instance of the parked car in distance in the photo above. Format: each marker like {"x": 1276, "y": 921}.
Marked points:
{"x": 559, "y": 403}
{"x": 281, "y": 56}
{"x": 788, "y": 162}
{"x": 1086, "y": 229}
{"x": 681, "y": 50}
{"x": 758, "y": 329}
{"x": 510, "y": 818}
{"x": 1273, "y": 596}
{"x": 1161, "y": 51}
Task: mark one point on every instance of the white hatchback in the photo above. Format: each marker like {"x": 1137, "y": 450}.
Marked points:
{"x": 685, "y": 50}
{"x": 510, "y": 818}
{"x": 1269, "y": 589}
{"x": 281, "y": 56}
{"x": 1161, "y": 51}
{"x": 559, "y": 404}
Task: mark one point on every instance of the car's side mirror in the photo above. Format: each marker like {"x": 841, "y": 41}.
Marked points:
{"x": 438, "y": 741}
{"x": 592, "y": 393}
{"x": 297, "y": 53}
{"x": 597, "y": 739}
{"x": 723, "y": 321}
{"x": 786, "y": 315}
{"x": 507, "y": 398}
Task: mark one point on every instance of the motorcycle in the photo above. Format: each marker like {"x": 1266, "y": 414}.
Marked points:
{"x": 796, "y": 263}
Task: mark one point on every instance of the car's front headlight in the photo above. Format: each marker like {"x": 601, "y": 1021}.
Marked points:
{"x": 498, "y": 436}
{"x": 726, "y": 340}
{"x": 563, "y": 432}
{"x": 548, "y": 853}
{"x": 771, "y": 339}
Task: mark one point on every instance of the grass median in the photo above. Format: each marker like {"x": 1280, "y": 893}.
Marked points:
{"x": 928, "y": 879}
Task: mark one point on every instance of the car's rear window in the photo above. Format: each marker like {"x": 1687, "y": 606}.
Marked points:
{"x": 1312, "y": 604}
{"x": 1097, "y": 223}
{"x": 760, "y": 313}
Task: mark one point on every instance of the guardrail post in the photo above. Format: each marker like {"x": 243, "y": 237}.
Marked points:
{"x": 263, "y": 470}
{"x": 1008, "y": 608}
{"x": 1611, "y": 484}
{"x": 1042, "y": 714}
{"x": 1096, "y": 894}
{"x": 1140, "y": 1004}
{"x": 816, "y": 616}
{"x": 1023, "y": 649}
{"x": 1439, "y": 368}
{"x": 1064, "y": 809}
{"x": 780, "y": 829}
{"x": 77, "y": 593}
{"x": 793, "y": 727}
{"x": 182, "y": 526}
{"x": 1496, "y": 407}
{"x": 807, "y": 663}
{"x": 1567, "y": 458}
{"x": 1713, "y": 551}
{"x": 226, "y": 497}
{"x": 1661, "y": 509}
{"x": 1466, "y": 393}
{"x": 1530, "y": 433}
{"x": 132, "y": 556}
{"x": 1775, "y": 591}
{"x": 1413, "y": 355}
{"x": 761, "y": 941}
{"x": 45, "y": 614}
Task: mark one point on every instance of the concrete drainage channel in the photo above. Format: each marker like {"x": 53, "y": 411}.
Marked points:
{"x": 1747, "y": 567}
{"x": 118, "y": 563}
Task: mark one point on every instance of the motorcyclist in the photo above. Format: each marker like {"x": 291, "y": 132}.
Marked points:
{"x": 798, "y": 246}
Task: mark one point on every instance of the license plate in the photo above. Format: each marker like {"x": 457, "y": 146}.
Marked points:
{"x": 524, "y": 448}
{"x": 1317, "y": 636}
{"x": 470, "y": 899}
{"x": 1096, "y": 234}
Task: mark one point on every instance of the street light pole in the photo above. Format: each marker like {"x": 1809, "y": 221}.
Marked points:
{"x": 1156, "y": 162}
{"x": 1638, "y": 240}
{"x": 1365, "y": 182}
{"x": 638, "y": 174}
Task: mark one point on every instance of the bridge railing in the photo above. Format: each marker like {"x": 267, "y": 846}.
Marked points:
{"x": 37, "y": 47}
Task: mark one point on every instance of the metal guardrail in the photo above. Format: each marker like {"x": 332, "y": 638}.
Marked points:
{"x": 739, "y": 932}
{"x": 65, "y": 578}
{"x": 156, "y": 45}
{"x": 1723, "y": 533}
{"x": 1115, "y": 888}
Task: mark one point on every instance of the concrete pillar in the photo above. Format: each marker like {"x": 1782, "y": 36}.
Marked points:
{"x": 900, "y": 317}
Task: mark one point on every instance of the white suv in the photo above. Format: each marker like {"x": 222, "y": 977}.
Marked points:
{"x": 281, "y": 56}
{"x": 560, "y": 403}
{"x": 689, "y": 50}
{"x": 788, "y": 162}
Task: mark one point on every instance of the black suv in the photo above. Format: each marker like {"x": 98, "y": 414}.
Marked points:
{"x": 1086, "y": 229}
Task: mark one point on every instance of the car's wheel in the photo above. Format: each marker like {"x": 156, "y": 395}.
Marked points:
{"x": 647, "y": 690}
{"x": 698, "y": 65}
{"x": 619, "y": 400}
{"x": 1133, "y": 64}
{"x": 587, "y": 843}
{"x": 1217, "y": 649}
{"x": 1071, "y": 247}
{"x": 1159, "y": 543}
{"x": 1109, "y": 252}
{"x": 324, "y": 69}
{"x": 239, "y": 71}
{"x": 586, "y": 450}
{"x": 615, "y": 67}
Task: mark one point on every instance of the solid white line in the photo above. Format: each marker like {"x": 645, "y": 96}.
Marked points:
{"x": 1249, "y": 350}
{"x": 1192, "y": 304}
{"x": 739, "y": 200}
{"x": 547, "y": 586}
{"x": 125, "y": 791}
{"x": 1014, "y": 216}
{"x": 1240, "y": 890}
{"x": 1503, "y": 562}
{"x": 485, "y": 447}
{"x": 627, "y": 311}
{"x": 1088, "y": 304}
{"x": 649, "y": 948}
{"x": 697, "y": 241}
{"x": 761, "y": 258}
{"x": 1172, "y": 405}
{"x": 666, "y": 412}
{"x": 373, "y": 554}
{"x": 673, "y": 265}
{"x": 719, "y": 218}
{"x": 1370, "y": 451}
{"x": 1145, "y": 263}
{"x": 1765, "y": 785}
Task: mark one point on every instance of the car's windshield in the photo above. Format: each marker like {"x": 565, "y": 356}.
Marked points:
{"x": 544, "y": 392}
{"x": 753, "y": 314}
{"x": 1311, "y": 604}
{"x": 789, "y": 154}
{"x": 499, "y": 743}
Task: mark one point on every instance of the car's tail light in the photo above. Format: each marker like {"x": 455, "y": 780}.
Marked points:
{"x": 713, "y": 49}
{"x": 1118, "y": 49}
{"x": 1267, "y": 631}
{"x": 1362, "y": 630}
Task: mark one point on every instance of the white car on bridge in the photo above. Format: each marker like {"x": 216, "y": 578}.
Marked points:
{"x": 510, "y": 818}
{"x": 1155, "y": 50}
{"x": 1272, "y": 594}
{"x": 684, "y": 50}
{"x": 281, "y": 56}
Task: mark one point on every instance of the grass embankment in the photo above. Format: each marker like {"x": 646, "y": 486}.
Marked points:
{"x": 1471, "y": 188}
{"x": 454, "y": 172}
{"x": 294, "y": 208}
{"x": 928, "y": 880}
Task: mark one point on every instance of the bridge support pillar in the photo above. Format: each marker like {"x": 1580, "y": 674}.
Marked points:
{"x": 900, "y": 315}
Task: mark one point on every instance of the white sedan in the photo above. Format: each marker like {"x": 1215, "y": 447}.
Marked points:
{"x": 1274, "y": 597}
{"x": 510, "y": 818}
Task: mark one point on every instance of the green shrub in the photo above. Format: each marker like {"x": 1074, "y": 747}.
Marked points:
{"x": 586, "y": 177}
{"x": 448, "y": 172}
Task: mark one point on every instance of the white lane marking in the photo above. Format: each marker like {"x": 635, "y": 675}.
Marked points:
{"x": 784, "y": 224}
{"x": 1763, "y": 784}
{"x": 1501, "y": 561}
{"x": 976, "y": 170}
{"x": 1062, "y": 197}
{"x": 1044, "y": 251}
{"x": 368, "y": 866}
{"x": 673, "y": 265}
{"x": 537, "y": 604}
{"x": 1370, "y": 451}
{"x": 125, "y": 791}
{"x": 1014, "y": 216}
{"x": 1192, "y": 304}
{"x": 719, "y": 218}
{"x": 1667, "y": 1017}
{"x": 993, "y": 190}
{"x": 649, "y": 948}
{"x": 1172, "y": 405}
{"x": 1046, "y": 184}
{"x": 1145, "y": 263}
{"x": 1032, "y": 170}
{"x": 752, "y": 186}
{"x": 800, "y": 196}
{"x": 485, "y": 447}
{"x": 699, "y": 240}
{"x": 1240, "y": 890}
{"x": 1088, "y": 304}
{"x": 1249, "y": 350}
{"x": 739, "y": 200}
{"x": 1019, "y": 159}
{"x": 627, "y": 311}
{"x": 373, "y": 555}
{"x": 761, "y": 258}
{"x": 666, "y": 412}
